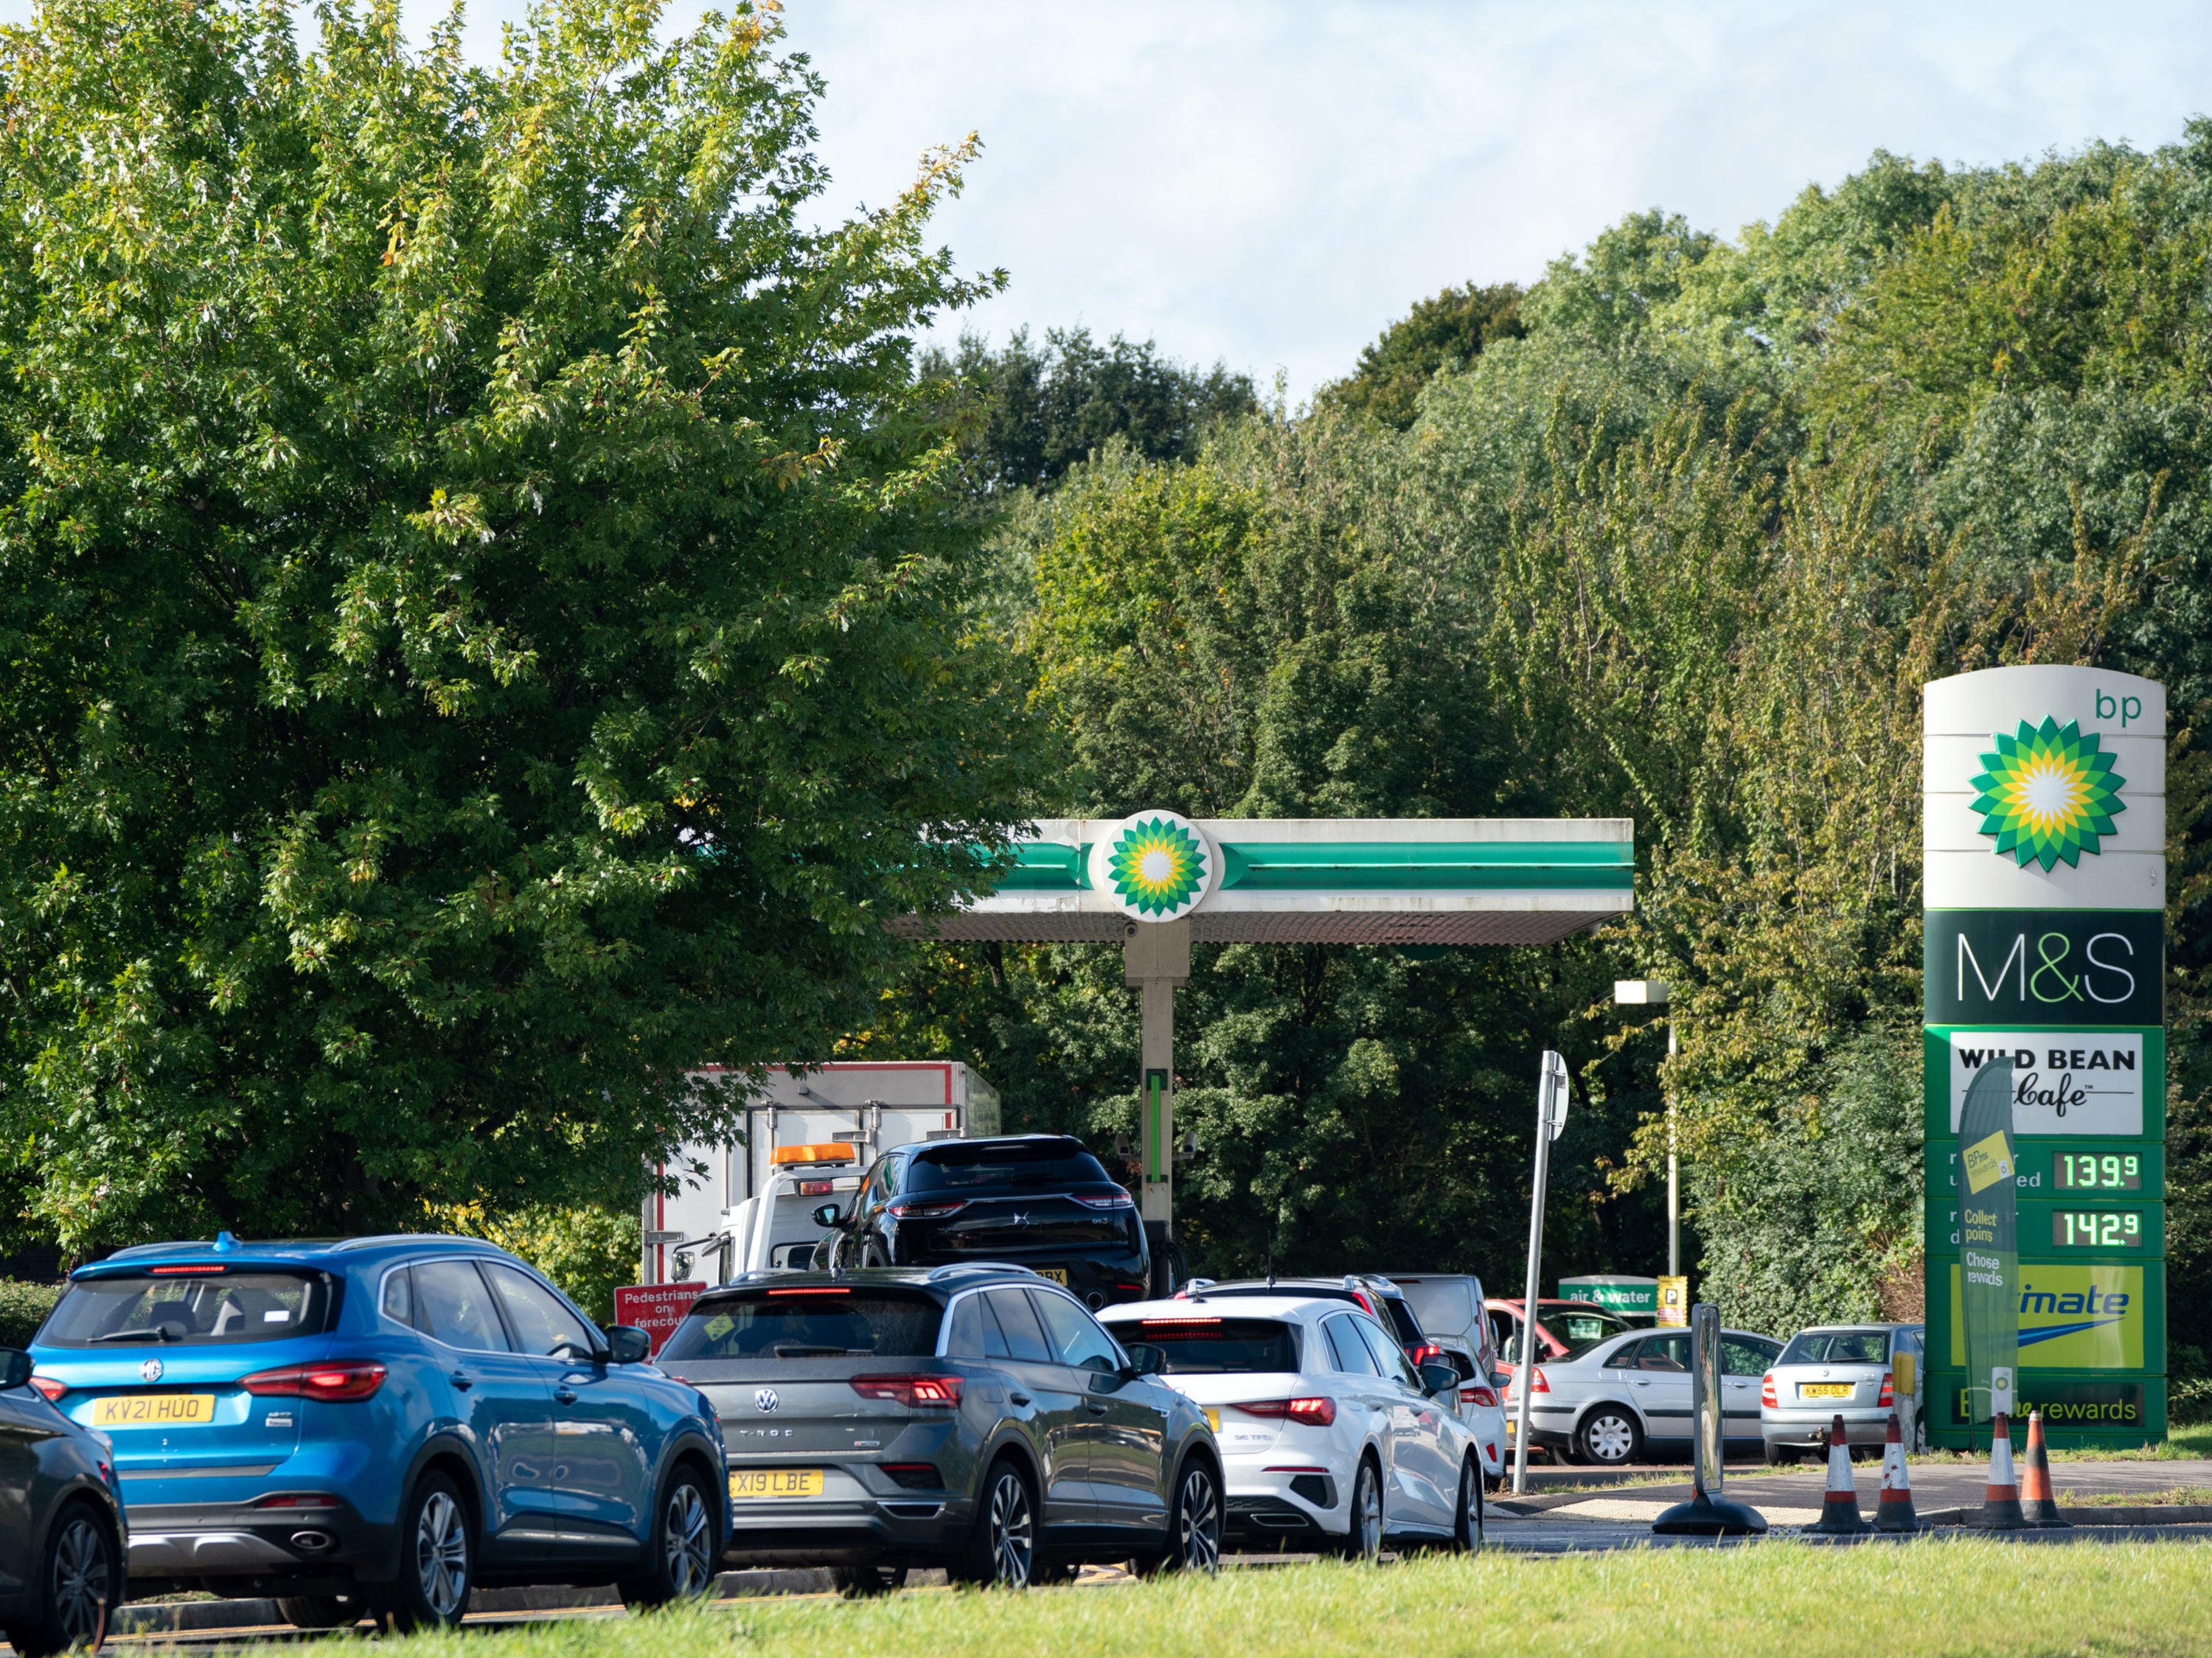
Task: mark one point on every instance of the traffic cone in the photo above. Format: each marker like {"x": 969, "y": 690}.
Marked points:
{"x": 1839, "y": 1509}
{"x": 2000, "y": 1509}
{"x": 2038, "y": 1506}
{"x": 1894, "y": 1512}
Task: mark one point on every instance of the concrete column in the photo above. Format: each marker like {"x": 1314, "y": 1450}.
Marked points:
{"x": 1154, "y": 961}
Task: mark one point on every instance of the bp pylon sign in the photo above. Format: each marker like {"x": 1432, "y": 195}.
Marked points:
{"x": 2044, "y": 798}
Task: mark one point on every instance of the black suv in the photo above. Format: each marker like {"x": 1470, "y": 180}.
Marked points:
{"x": 1034, "y": 1201}
{"x": 975, "y": 1418}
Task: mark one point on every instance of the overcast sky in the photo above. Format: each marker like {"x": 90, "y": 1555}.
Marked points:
{"x": 1270, "y": 183}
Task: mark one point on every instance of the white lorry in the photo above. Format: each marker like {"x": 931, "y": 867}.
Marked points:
{"x": 749, "y": 1207}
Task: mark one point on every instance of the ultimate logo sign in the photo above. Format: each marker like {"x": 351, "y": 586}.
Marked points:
{"x": 2047, "y": 792}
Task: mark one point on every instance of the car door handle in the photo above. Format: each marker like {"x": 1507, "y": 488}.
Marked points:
{"x": 1019, "y": 1398}
{"x": 464, "y": 1381}
{"x": 564, "y": 1395}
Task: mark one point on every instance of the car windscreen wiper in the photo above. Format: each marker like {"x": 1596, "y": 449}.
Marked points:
{"x": 159, "y": 1332}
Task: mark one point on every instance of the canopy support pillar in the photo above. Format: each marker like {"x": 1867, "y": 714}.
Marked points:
{"x": 1155, "y": 959}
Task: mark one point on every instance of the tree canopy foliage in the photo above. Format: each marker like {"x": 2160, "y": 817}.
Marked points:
{"x": 1680, "y": 544}
{"x": 1033, "y": 411}
{"x": 485, "y": 621}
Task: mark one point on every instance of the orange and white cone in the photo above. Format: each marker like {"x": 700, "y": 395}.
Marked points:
{"x": 2038, "y": 1504}
{"x": 1839, "y": 1508}
{"x": 1894, "y": 1511}
{"x": 2000, "y": 1509}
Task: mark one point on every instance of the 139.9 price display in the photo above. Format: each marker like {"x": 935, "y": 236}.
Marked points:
{"x": 2097, "y": 1171}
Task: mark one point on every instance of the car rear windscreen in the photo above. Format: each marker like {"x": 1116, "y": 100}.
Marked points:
{"x": 810, "y": 1323}
{"x": 188, "y": 1309}
{"x": 985, "y": 1166}
{"x": 1581, "y": 1331}
{"x": 1836, "y": 1347}
{"x": 1203, "y": 1347}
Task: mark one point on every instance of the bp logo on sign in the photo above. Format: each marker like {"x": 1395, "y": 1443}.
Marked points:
{"x": 2047, "y": 792}
{"x": 1157, "y": 867}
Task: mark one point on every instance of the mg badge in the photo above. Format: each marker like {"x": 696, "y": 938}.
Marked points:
{"x": 150, "y": 1370}
{"x": 765, "y": 1400}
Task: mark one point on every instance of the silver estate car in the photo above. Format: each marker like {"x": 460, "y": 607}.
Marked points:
{"x": 1838, "y": 1369}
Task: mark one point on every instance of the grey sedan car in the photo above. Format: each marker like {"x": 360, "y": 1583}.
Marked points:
{"x": 976, "y": 1418}
{"x": 1838, "y": 1369}
{"x": 1627, "y": 1399}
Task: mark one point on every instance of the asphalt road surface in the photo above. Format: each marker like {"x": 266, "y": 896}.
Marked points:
{"x": 1565, "y": 1511}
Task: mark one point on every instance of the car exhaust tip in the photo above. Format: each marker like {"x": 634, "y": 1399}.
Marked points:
{"x": 312, "y": 1542}
{"x": 1095, "y": 1301}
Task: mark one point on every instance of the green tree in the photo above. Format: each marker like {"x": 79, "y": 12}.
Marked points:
{"x": 1447, "y": 330}
{"x": 484, "y": 618}
{"x": 1031, "y": 411}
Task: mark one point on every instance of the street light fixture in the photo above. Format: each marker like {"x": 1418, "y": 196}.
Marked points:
{"x": 1652, "y": 992}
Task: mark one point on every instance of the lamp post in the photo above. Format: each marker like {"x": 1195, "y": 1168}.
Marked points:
{"x": 1652, "y": 992}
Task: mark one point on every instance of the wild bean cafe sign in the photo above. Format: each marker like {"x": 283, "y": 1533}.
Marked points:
{"x": 2043, "y": 792}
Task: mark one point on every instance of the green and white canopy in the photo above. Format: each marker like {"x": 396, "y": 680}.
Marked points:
{"x": 1311, "y": 880}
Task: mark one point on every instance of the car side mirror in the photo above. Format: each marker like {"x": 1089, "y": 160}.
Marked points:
{"x": 1145, "y": 1359}
{"x": 627, "y": 1345}
{"x": 1439, "y": 1379}
{"x": 15, "y": 1368}
{"x": 829, "y": 1215}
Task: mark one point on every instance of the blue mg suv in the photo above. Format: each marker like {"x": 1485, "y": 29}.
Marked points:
{"x": 376, "y": 1426}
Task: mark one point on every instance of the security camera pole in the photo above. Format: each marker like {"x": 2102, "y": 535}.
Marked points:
{"x": 1550, "y": 1118}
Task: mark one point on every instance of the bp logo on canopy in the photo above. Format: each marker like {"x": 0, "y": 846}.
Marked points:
{"x": 1155, "y": 866}
{"x": 2047, "y": 792}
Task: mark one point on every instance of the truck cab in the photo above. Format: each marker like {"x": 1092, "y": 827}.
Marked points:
{"x": 775, "y": 1228}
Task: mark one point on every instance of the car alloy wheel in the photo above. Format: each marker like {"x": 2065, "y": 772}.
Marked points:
{"x": 1610, "y": 1438}
{"x": 1365, "y": 1540}
{"x": 83, "y": 1583}
{"x": 441, "y": 1556}
{"x": 1467, "y": 1532}
{"x": 1013, "y": 1540}
{"x": 1197, "y": 1521}
{"x": 688, "y": 1541}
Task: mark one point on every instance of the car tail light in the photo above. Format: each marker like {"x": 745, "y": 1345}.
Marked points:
{"x": 1360, "y": 1295}
{"x": 1538, "y": 1385}
{"x": 817, "y": 1290}
{"x": 1767, "y": 1391}
{"x": 1427, "y": 1353}
{"x": 915, "y": 1476}
{"x": 912, "y": 1391}
{"x": 340, "y": 1380}
{"x": 299, "y": 1500}
{"x": 816, "y": 1189}
{"x": 171, "y": 1272}
{"x": 51, "y": 1386}
{"x": 927, "y": 1208}
{"x": 1888, "y": 1393}
{"x": 1117, "y": 1200}
{"x": 1478, "y": 1395}
{"x": 1314, "y": 1413}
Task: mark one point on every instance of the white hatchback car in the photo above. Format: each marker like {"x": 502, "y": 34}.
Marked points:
{"x": 1329, "y": 1439}
{"x": 1627, "y": 1398}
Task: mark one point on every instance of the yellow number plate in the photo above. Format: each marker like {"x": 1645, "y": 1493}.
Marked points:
{"x": 1057, "y": 1274}
{"x": 1213, "y": 1418}
{"x": 777, "y": 1482}
{"x": 1824, "y": 1390}
{"x": 154, "y": 1410}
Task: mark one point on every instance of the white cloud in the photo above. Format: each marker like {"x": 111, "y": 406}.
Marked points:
{"x": 1271, "y": 183}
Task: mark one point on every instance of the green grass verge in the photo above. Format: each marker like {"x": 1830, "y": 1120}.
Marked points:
{"x": 1933, "y": 1596}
